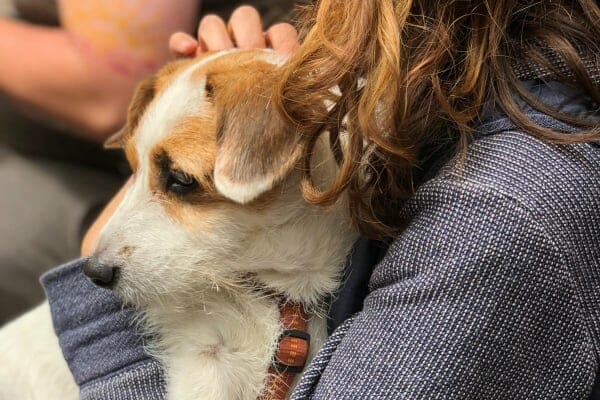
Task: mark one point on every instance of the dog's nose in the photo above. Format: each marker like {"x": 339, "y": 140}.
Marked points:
{"x": 101, "y": 274}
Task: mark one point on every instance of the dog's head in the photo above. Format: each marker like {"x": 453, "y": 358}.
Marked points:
{"x": 215, "y": 191}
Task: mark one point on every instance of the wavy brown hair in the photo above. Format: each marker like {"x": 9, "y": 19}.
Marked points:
{"x": 429, "y": 67}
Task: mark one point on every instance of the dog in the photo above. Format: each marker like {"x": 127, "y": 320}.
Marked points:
{"x": 213, "y": 241}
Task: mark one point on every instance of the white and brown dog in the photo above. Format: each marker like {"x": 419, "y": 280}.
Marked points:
{"x": 211, "y": 236}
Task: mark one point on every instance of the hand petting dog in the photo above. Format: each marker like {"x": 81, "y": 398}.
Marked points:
{"x": 243, "y": 31}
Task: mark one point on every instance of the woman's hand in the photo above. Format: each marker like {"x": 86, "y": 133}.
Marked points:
{"x": 243, "y": 31}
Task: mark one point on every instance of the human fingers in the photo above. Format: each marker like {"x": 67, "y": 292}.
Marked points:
{"x": 283, "y": 38}
{"x": 213, "y": 34}
{"x": 182, "y": 45}
{"x": 90, "y": 239}
{"x": 245, "y": 27}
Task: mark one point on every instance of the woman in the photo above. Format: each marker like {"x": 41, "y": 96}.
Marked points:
{"x": 471, "y": 144}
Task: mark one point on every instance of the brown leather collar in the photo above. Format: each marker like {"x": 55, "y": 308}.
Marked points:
{"x": 292, "y": 351}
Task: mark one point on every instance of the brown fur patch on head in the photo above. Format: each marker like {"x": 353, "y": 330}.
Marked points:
{"x": 256, "y": 148}
{"x": 236, "y": 125}
{"x": 190, "y": 147}
{"x": 146, "y": 91}
{"x": 238, "y": 65}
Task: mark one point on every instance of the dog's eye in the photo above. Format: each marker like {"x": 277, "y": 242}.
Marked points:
{"x": 180, "y": 183}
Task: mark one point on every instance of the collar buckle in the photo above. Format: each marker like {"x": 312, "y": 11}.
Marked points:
{"x": 292, "y": 351}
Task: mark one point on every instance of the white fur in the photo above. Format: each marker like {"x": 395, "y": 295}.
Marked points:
{"x": 242, "y": 192}
{"x": 31, "y": 362}
{"x": 216, "y": 333}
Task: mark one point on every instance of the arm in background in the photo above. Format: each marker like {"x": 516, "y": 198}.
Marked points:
{"x": 82, "y": 74}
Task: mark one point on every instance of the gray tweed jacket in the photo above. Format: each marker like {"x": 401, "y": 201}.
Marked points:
{"x": 492, "y": 292}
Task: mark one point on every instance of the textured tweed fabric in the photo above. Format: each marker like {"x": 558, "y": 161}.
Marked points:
{"x": 97, "y": 335}
{"x": 139, "y": 382}
{"x": 531, "y": 70}
{"x": 492, "y": 292}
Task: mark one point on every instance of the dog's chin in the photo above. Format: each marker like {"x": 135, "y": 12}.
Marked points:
{"x": 133, "y": 295}
{"x": 143, "y": 293}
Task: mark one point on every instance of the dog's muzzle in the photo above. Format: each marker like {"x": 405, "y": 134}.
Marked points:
{"x": 101, "y": 274}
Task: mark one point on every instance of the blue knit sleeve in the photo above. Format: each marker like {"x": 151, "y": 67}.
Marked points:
{"x": 99, "y": 339}
{"x": 473, "y": 301}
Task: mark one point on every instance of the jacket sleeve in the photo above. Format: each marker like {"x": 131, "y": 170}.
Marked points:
{"x": 99, "y": 339}
{"x": 473, "y": 301}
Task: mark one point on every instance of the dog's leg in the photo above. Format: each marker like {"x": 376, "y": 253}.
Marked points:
{"x": 31, "y": 363}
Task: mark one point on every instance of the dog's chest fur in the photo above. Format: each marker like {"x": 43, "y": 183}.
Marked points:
{"x": 223, "y": 351}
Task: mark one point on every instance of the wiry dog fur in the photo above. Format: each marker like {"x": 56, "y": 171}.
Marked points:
{"x": 199, "y": 264}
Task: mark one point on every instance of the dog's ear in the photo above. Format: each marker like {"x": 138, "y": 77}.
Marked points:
{"x": 256, "y": 147}
{"x": 142, "y": 96}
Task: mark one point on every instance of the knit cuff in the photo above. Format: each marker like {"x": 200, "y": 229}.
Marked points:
{"x": 96, "y": 332}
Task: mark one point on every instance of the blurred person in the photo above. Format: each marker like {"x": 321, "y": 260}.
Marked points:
{"x": 69, "y": 69}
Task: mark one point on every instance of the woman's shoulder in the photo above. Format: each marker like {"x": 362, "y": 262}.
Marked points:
{"x": 533, "y": 172}
{"x": 549, "y": 180}
{"x": 509, "y": 181}
{"x": 511, "y": 186}
{"x": 557, "y": 186}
